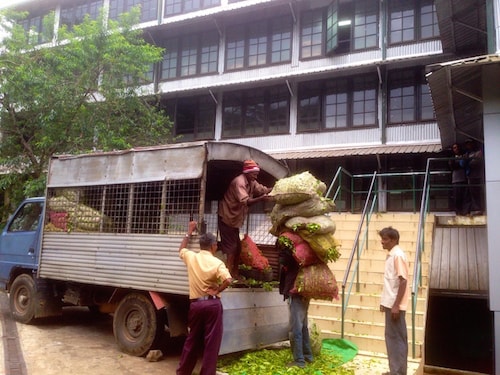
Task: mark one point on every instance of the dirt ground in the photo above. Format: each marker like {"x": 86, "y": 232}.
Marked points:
{"x": 80, "y": 343}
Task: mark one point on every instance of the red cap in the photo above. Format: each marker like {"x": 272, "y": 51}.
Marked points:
{"x": 250, "y": 166}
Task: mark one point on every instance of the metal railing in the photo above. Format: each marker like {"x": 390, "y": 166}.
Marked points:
{"x": 345, "y": 183}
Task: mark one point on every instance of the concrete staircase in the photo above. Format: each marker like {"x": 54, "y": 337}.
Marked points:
{"x": 364, "y": 323}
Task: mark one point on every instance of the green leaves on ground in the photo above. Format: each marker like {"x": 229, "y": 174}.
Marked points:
{"x": 274, "y": 361}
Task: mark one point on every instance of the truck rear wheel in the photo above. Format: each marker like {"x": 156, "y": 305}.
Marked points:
{"x": 136, "y": 324}
{"x": 22, "y": 299}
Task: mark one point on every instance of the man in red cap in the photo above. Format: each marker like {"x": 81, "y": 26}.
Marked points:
{"x": 243, "y": 191}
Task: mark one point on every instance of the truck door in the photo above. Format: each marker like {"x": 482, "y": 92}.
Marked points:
{"x": 19, "y": 239}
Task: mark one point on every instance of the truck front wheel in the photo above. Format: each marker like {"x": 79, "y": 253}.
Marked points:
{"x": 22, "y": 299}
{"x": 136, "y": 324}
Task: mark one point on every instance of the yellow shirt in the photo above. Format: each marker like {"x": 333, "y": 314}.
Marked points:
{"x": 204, "y": 270}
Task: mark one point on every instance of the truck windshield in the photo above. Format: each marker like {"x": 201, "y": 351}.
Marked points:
{"x": 26, "y": 218}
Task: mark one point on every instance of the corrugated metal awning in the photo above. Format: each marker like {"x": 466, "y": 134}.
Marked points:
{"x": 356, "y": 151}
{"x": 456, "y": 89}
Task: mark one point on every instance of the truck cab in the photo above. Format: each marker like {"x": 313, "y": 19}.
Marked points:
{"x": 20, "y": 240}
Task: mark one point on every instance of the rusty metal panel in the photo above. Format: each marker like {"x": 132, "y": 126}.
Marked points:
{"x": 180, "y": 161}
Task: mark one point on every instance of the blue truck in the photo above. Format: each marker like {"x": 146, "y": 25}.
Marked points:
{"x": 106, "y": 236}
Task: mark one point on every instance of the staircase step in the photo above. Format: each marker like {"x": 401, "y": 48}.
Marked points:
{"x": 360, "y": 328}
{"x": 360, "y": 313}
{"x": 371, "y": 299}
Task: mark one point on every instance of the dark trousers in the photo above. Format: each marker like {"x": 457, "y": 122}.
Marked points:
{"x": 396, "y": 341}
{"x": 204, "y": 338}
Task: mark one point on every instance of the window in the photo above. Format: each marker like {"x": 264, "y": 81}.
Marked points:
{"x": 260, "y": 43}
{"x": 409, "y": 97}
{"x": 75, "y": 14}
{"x": 194, "y": 118}
{"x": 190, "y": 55}
{"x": 149, "y": 8}
{"x": 256, "y": 112}
{"x": 27, "y": 218}
{"x": 412, "y": 21}
{"x": 338, "y": 104}
{"x": 173, "y": 7}
{"x": 37, "y": 31}
{"x": 341, "y": 27}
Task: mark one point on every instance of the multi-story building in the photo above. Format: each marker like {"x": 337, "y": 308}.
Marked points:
{"x": 319, "y": 83}
{"x": 323, "y": 83}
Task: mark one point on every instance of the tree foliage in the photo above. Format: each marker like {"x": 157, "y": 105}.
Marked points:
{"x": 84, "y": 90}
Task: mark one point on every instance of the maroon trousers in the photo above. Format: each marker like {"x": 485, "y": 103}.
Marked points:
{"x": 204, "y": 338}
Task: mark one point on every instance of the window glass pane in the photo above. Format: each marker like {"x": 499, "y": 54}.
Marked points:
{"x": 428, "y": 20}
{"x": 235, "y": 49}
{"x": 309, "y": 112}
{"x": 332, "y": 20}
{"x": 365, "y": 24}
{"x": 191, "y": 5}
{"x": 257, "y": 44}
{"x": 364, "y": 101}
{"x": 170, "y": 58}
{"x": 402, "y": 21}
{"x": 336, "y": 104}
{"x": 173, "y": 7}
{"x": 209, "y": 52}
{"x": 311, "y": 37}
{"x": 281, "y": 40}
{"x": 254, "y": 112}
{"x": 189, "y": 55}
{"x": 232, "y": 115}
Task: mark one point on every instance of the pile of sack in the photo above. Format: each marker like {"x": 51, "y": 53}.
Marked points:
{"x": 301, "y": 222}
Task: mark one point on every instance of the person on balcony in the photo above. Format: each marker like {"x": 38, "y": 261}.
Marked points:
{"x": 458, "y": 179}
{"x": 394, "y": 301}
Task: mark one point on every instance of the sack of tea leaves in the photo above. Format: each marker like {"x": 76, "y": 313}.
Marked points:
{"x": 297, "y": 188}
{"x": 251, "y": 255}
{"x": 313, "y": 206}
{"x": 320, "y": 224}
{"x": 316, "y": 281}
{"x": 300, "y": 249}
{"x": 325, "y": 245}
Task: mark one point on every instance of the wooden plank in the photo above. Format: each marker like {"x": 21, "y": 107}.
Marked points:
{"x": 459, "y": 259}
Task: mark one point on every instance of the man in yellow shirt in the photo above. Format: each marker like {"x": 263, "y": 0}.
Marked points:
{"x": 208, "y": 277}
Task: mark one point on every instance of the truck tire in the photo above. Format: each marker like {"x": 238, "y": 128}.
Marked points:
{"x": 22, "y": 299}
{"x": 137, "y": 325}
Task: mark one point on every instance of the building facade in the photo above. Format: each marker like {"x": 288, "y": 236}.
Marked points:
{"x": 318, "y": 83}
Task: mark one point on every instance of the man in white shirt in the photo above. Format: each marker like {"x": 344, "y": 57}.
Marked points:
{"x": 394, "y": 302}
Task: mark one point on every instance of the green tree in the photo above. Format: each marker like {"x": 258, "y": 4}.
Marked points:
{"x": 83, "y": 91}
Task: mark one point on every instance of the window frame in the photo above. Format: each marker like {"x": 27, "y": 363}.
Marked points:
{"x": 417, "y": 17}
{"x": 270, "y": 103}
{"x": 338, "y": 87}
{"x": 206, "y": 53}
{"x": 240, "y": 49}
{"x": 420, "y": 95}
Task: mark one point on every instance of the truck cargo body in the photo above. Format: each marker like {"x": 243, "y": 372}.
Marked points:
{"x": 112, "y": 224}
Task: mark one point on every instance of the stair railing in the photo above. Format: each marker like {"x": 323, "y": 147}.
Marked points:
{"x": 336, "y": 186}
{"x": 420, "y": 242}
{"x": 356, "y": 249}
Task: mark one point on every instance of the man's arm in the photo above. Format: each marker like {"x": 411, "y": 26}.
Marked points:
{"x": 185, "y": 240}
{"x": 399, "y": 297}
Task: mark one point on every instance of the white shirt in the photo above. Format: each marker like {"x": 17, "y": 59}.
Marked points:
{"x": 396, "y": 266}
